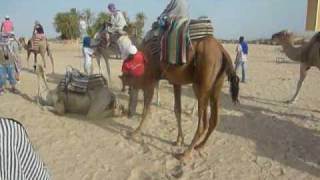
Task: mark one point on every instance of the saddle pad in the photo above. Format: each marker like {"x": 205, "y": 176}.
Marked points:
{"x": 200, "y": 28}
{"x": 82, "y": 84}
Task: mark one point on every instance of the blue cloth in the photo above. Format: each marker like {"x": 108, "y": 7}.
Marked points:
{"x": 7, "y": 72}
{"x": 86, "y": 41}
{"x": 245, "y": 48}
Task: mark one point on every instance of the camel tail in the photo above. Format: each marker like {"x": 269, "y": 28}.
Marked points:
{"x": 232, "y": 76}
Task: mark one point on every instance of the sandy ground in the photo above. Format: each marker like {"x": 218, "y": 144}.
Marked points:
{"x": 262, "y": 138}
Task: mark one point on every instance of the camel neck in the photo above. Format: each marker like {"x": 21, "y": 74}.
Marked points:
{"x": 294, "y": 53}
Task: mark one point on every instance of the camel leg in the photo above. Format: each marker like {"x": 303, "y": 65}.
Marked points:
{"x": 43, "y": 56}
{"x": 202, "y": 106}
{"x": 39, "y": 90}
{"x": 106, "y": 59}
{"x": 214, "y": 115}
{"x": 35, "y": 61}
{"x": 303, "y": 73}
{"x": 177, "y": 111}
{"x": 148, "y": 94}
{"x": 158, "y": 93}
{"x": 28, "y": 57}
{"x": 98, "y": 58}
{"x": 51, "y": 58}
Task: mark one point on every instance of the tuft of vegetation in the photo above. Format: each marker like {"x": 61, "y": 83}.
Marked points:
{"x": 67, "y": 24}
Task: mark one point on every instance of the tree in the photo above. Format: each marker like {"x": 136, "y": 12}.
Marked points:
{"x": 139, "y": 24}
{"x": 100, "y": 22}
{"x": 67, "y": 24}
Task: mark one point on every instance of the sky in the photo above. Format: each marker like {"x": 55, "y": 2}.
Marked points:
{"x": 231, "y": 18}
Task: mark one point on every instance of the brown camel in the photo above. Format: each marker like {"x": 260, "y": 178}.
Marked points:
{"x": 207, "y": 63}
{"x": 42, "y": 50}
{"x": 308, "y": 55}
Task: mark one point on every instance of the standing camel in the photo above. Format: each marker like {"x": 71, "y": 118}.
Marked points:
{"x": 307, "y": 55}
{"x": 42, "y": 50}
{"x": 207, "y": 64}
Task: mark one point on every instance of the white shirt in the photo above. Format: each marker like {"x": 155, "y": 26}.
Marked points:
{"x": 83, "y": 27}
{"x": 118, "y": 22}
{"x": 240, "y": 55}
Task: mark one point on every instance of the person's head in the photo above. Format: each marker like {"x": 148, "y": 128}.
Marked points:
{"x": 241, "y": 39}
{"x": 82, "y": 16}
{"x": 132, "y": 51}
{"x": 7, "y": 17}
{"x": 112, "y": 7}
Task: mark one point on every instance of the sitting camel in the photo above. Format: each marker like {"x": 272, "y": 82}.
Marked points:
{"x": 42, "y": 50}
{"x": 307, "y": 55}
{"x": 99, "y": 102}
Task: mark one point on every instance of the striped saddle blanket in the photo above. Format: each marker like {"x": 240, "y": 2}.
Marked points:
{"x": 5, "y": 38}
{"x": 36, "y": 40}
{"x": 77, "y": 82}
{"x": 177, "y": 38}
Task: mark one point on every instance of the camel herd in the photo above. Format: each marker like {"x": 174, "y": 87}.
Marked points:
{"x": 207, "y": 65}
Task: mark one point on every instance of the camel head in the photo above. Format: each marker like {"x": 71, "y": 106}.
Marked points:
{"x": 22, "y": 40}
{"x": 282, "y": 36}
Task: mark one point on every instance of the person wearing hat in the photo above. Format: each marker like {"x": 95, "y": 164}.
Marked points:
{"x": 7, "y": 25}
{"x": 132, "y": 69}
{"x": 134, "y": 64}
{"x": 88, "y": 54}
{"x": 118, "y": 21}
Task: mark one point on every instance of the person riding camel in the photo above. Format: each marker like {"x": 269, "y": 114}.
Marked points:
{"x": 118, "y": 21}
{"x": 176, "y": 9}
{"x": 7, "y": 26}
{"x": 37, "y": 34}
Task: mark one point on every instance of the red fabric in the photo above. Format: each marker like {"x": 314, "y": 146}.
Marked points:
{"x": 7, "y": 26}
{"x": 135, "y": 65}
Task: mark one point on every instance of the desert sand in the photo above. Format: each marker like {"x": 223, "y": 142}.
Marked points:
{"x": 262, "y": 138}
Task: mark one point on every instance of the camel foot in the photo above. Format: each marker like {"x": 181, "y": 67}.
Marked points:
{"x": 184, "y": 157}
{"x": 179, "y": 142}
{"x": 136, "y": 136}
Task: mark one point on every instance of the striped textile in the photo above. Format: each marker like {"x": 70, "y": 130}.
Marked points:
{"x": 176, "y": 8}
{"x": 18, "y": 160}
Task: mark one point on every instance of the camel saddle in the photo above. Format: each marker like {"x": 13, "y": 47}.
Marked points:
{"x": 77, "y": 82}
{"x": 5, "y": 38}
{"x": 178, "y": 36}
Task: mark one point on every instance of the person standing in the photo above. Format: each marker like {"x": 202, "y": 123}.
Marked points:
{"x": 242, "y": 51}
{"x": 7, "y": 70}
{"x": 87, "y": 53}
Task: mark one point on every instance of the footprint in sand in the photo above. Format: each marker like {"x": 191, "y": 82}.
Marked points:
{"x": 174, "y": 168}
{"x": 137, "y": 174}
